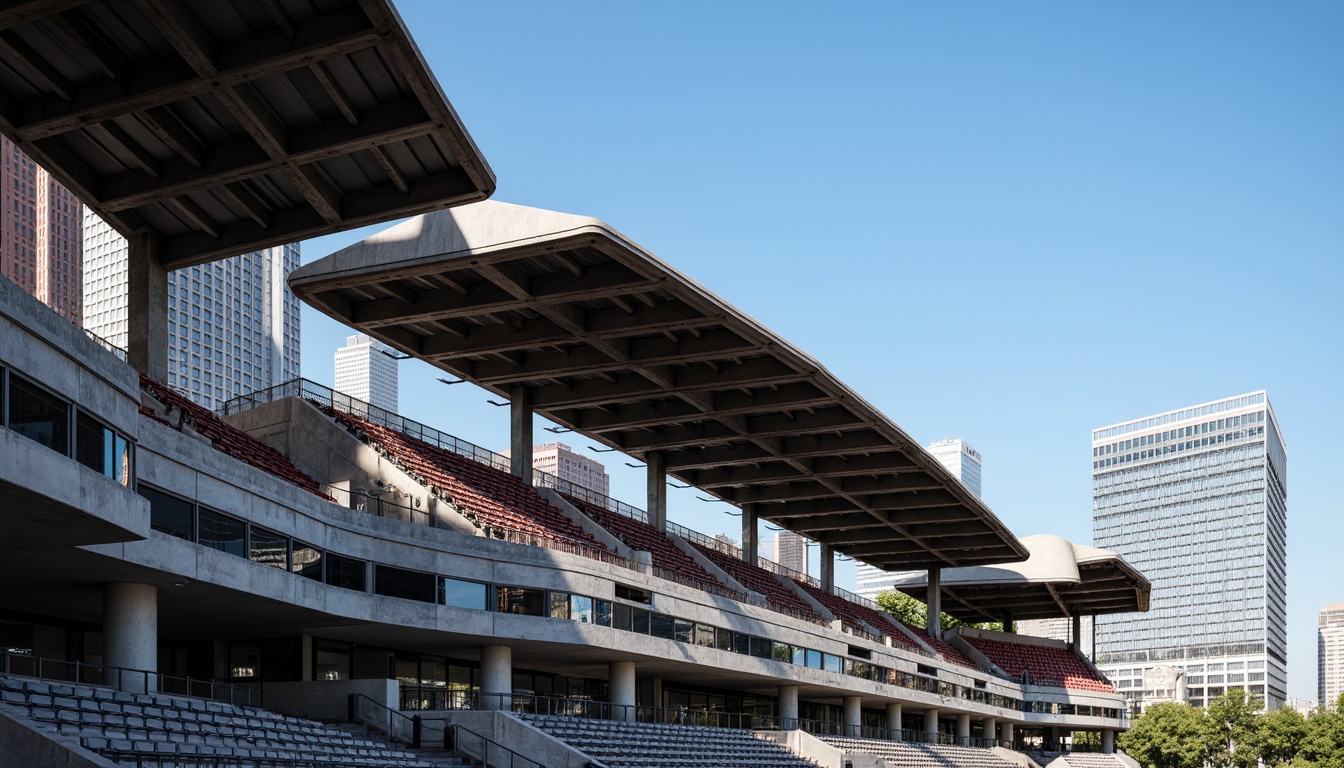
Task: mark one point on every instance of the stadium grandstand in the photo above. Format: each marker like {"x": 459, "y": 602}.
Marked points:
{"x": 305, "y": 579}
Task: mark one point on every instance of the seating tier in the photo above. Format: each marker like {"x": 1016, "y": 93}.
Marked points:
{"x": 1044, "y": 665}
{"x": 641, "y": 536}
{"x": 758, "y": 579}
{"x": 652, "y": 745}
{"x": 914, "y": 755}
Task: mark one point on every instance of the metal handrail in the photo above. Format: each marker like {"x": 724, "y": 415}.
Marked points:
{"x": 371, "y": 502}
{"x": 124, "y": 678}
{"x": 452, "y": 740}
{"x": 180, "y": 760}
{"x": 394, "y": 725}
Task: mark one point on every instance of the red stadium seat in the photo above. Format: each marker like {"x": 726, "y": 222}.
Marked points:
{"x": 1043, "y": 665}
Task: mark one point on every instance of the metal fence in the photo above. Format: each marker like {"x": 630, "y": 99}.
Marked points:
{"x": 131, "y": 680}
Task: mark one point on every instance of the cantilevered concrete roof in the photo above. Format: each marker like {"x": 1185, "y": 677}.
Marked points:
{"x": 218, "y": 127}
{"x": 1059, "y": 579}
{"x": 615, "y": 344}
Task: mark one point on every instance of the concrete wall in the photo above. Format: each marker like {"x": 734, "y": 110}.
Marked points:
{"x": 809, "y": 747}
{"x": 327, "y": 700}
{"x": 23, "y": 747}
{"x": 528, "y": 742}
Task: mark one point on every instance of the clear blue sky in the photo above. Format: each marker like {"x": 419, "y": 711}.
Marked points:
{"x": 1006, "y": 222}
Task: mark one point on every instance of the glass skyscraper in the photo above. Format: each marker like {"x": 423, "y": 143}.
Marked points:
{"x": 1195, "y": 499}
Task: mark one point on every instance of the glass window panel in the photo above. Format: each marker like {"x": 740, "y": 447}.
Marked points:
{"x": 407, "y": 585}
{"x": 39, "y": 415}
{"x": 331, "y": 661}
{"x": 706, "y": 636}
{"x": 464, "y": 594}
{"x": 664, "y": 626}
{"x": 621, "y": 616}
{"x": 169, "y": 514}
{"x": 724, "y": 639}
{"x": 224, "y": 533}
{"x": 346, "y": 572}
{"x": 814, "y": 659}
{"x": 602, "y": 613}
{"x": 581, "y": 608}
{"x": 639, "y": 621}
{"x": 269, "y": 548}
{"x": 831, "y": 663}
{"x": 559, "y": 605}
{"x": 521, "y": 601}
{"x": 307, "y": 561}
{"x": 94, "y": 444}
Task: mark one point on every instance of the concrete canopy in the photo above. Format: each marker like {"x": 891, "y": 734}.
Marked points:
{"x": 1060, "y": 579}
{"x": 217, "y": 128}
{"x": 617, "y": 345}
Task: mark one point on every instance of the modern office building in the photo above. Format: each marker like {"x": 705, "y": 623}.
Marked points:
{"x": 963, "y": 462}
{"x": 1196, "y": 499}
{"x": 367, "y": 370}
{"x": 40, "y": 237}
{"x": 790, "y": 551}
{"x": 1062, "y": 629}
{"x": 560, "y": 460}
{"x": 1330, "y": 655}
{"x": 233, "y": 324}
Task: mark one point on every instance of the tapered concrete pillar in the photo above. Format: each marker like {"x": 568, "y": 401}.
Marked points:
{"x": 1008, "y": 621}
{"x": 894, "y": 715}
{"x": 1107, "y": 741}
{"x": 1078, "y": 633}
{"x": 788, "y": 707}
{"x": 827, "y": 575}
{"x": 655, "y": 472}
{"x": 496, "y": 677}
{"x": 621, "y": 690}
{"x": 1006, "y": 732}
{"x": 146, "y": 308}
{"x": 751, "y": 547}
{"x": 520, "y": 433}
{"x": 853, "y": 707}
{"x": 131, "y": 634}
{"x": 989, "y": 729}
{"x": 963, "y": 730}
{"x": 934, "y": 599}
{"x": 931, "y": 726}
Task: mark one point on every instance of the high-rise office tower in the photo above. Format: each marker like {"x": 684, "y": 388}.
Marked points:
{"x": 963, "y": 462}
{"x": 1330, "y": 655}
{"x": 791, "y": 551}
{"x": 560, "y": 460}
{"x": 1196, "y": 500}
{"x": 366, "y": 370}
{"x": 40, "y": 239}
{"x": 233, "y": 325}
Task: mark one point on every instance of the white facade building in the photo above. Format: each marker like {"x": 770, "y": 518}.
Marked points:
{"x": 233, "y": 325}
{"x": 1330, "y": 655}
{"x": 790, "y": 551}
{"x": 560, "y": 460}
{"x": 365, "y": 370}
{"x": 957, "y": 457}
{"x": 1062, "y": 629}
{"x": 1196, "y": 500}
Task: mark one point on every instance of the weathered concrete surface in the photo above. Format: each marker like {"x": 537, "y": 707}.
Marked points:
{"x": 809, "y": 747}
{"x": 327, "y": 700}
{"x": 23, "y": 747}
{"x": 585, "y": 522}
{"x": 529, "y": 742}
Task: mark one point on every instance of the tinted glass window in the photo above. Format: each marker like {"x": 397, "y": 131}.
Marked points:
{"x": 602, "y": 613}
{"x": 663, "y": 626}
{"x": 742, "y": 644}
{"x": 464, "y": 594}
{"x": 559, "y": 605}
{"x": 639, "y": 621}
{"x": 307, "y": 561}
{"x": 222, "y": 532}
{"x": 519, "y": 600}
{"x": 724, "y": 641}
{"x": 762, "y": 648}
{"x": 169, "y": 514}
{"x": 581, "y": 608}
{"x": 39, "y": 415}
{"x": 345, "y": 572}
{"x": 621, "y": 616}
{"x": 270, "y": 548}
{"x": 408, "y": 585}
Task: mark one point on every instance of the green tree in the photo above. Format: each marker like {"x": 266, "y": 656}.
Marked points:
{"x": 1281, "y": 734}
{"x": 1168, "y": 735}
{"x": 1324, "y": 742}
{"x": 915, "y": 613}
{"x": 1232, "y": 731}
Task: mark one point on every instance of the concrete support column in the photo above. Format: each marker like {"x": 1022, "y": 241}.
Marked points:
{"x": 520, "y": 433}
{"x": 655, "y": 472}
{"x": 788, "y": 707}
{"x": 751, "y": 548}
{"x": 1008, "y": 621}
{"x": 963, "y": 730}
{"x": 1078, "y": 633}
{"x": 496, "y": 677}
{"x": 1107, "y": 741}
{"x": 621, "y": 690}
{"x": 934, "y": 599}
{"x": 1006, "y": 732}
{"x": 131, "y": 634}
{"x": 894, "y": 715}
{"x": 931, "y": 726}
{"x": 989, "y": 729}
{"x": 146, "y": 308}
{"x": 827, "y": 574}
{"x": 853, "y": 716}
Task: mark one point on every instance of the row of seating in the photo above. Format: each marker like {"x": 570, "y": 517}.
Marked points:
{"x": 758, "y": 579}
{"x": 1048, "y": 665}
{"x": 915, "y": 755}
{"x": 158, "y": 727}
{"x": 491, "y": 497}
{"x": 655, "y": 745}
{"x": 1092, "y": 760}
{"x": 225, "y": 438}
{"x": 860, "y": 616}
{"x": 641, "y": 536}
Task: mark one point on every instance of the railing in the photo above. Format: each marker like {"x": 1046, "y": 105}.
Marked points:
{"x": 371, "y": 502}
{"x": 580, "y": 707}
{"x": 547, "y": 480}
{"x": 178, "y": 760}
{"x": 393, "y": 725}
{"x": 700, "y": 584}
{"x": 486, "y": 751}
{"x": 130, "y": 680}
{"x": 105, "y": 344}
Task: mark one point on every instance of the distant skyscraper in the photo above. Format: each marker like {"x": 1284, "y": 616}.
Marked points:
{"x": 366, "y": 372}
{"x": 233, "y": 325}
{"x": 1060, "y": 629}
{"x": 791, "y": 551}
{"x": 963, "y": 462}
{"x": 1196, "y": 500}
{"x": 40, "y": 238}
{"x": 1330, "y": 655}
{"x": 560, "y": 460}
